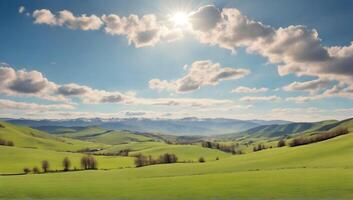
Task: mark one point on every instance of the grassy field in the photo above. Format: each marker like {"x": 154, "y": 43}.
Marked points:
{"x": 322, "y": 170}
{"x": 155, "y": 149}
{"x": 14, "y": 159}
{"x": 27, "y": 137}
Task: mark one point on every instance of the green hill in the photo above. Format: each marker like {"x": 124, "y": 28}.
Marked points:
{"x": 31, "y": 138}
{"x": 321, "y": 170}
{"x": 100, "y": 135}
{"x": 269, "y": 131}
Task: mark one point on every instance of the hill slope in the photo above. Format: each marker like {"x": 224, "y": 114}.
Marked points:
{"x": 31, "y": 138}
{"x": 312, "y": 171}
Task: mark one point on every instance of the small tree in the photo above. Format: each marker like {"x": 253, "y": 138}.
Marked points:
{"x": 202, "y": 160}
{"x": 45, "y": 166}
{"x": 35, "y": 170}
{"x": 26, "y": 170}
{"x": 281, "y": 143}
{"x": 88, "y": 162}
{"x": 66, "y": 164}
{"x": 141, "y": 160}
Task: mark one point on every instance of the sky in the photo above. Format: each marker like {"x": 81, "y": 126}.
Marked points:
{"x": 243, "y": 59}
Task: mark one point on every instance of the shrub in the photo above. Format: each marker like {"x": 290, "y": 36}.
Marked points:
{"x": 202, "y": 160}
{"x": 168, "y": 158}
{"x": 45, "y": 166}
{"x": 35, "y": 170}
{"x": 141, "y": 160}
{"x": 26, "y": 170}
{"x": 281, "y": 143}
{"x": 66, "y": 164}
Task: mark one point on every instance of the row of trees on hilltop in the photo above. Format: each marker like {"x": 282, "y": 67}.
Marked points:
{"x": 318, "y": 137}
{"x": 87, "y": 162}
{"x": 221, "y": 147}
{"x": 166, "y": 158}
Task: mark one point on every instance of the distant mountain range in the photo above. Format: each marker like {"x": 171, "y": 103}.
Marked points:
{"x": 185, "y": 126}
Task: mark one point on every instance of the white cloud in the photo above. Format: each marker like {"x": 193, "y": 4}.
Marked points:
{"x": 242, "y": 89}
{"x": 296, "y": 49}
{"x": 21, "y": 9}
{"x": 15, "y": 105}
{"x": 199, "y": 74}
{"x": 67, "y": 19}
{"x": 310, "y": 86}
{"x": 260, "y": 98}
{"x": 141, "y": 32}
{"x": 26, "y": 83}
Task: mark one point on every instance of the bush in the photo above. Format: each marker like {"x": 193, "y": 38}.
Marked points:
{"x": 45, "y": 166}
{"x": 202, "y": 160}
{"x": 168, "y": 158}
{"x": 66, "y": 164}
{"x": 35, "y": 170}
{"x": 88, "y": 162}
{"x": 318, "y": 137}
{"x": 26, "y": 170}
{"x": 281, "y": 143}
{"x": 141, "y": 160}
{"x": 6, "y": 143}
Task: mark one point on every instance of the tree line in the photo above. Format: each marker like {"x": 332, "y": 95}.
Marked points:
{"x": 6, "y": 143}
{"x": 88, "y": 162}
{"x": 222, "y": 147}
{"x": 318, "y": 137}
{"x": 166, "y": 158}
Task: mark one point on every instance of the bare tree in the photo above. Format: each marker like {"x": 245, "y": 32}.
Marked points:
{"x": 88, "y": 162}
{"x": 45, "y": 166}
{"x": 66, "y": 164}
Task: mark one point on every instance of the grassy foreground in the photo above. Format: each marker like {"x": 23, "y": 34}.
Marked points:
{"x": 322, "y": 170}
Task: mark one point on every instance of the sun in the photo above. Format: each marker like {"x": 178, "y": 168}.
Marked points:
{"x": 180, "y": 19}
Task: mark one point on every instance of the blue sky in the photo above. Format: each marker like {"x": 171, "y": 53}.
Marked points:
{"x": 89, "y": 71}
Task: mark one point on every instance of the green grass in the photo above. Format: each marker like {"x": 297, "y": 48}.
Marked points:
{"x": 155, "y": 149}
{"x": 100, "y": 135}
{"x": 31, "y": 138}
{"x": 14, "y": 159}
{"x": 322, "y": 170}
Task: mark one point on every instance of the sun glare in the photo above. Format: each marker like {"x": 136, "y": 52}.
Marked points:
{"x": 180, "y": 19}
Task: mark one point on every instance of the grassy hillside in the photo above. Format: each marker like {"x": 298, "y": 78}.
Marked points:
{"x": 155, "y": 149}
{"x": 268, "y": 131}
{"x": 31, "y": 138}
{"x": 100, "y": 135}
{"x": 14, "y": 159}
{"x": 312, "y": 171}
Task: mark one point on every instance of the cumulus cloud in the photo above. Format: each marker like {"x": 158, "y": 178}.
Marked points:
{"x": 141, "y": 31}
{"x": 260, "y": 98}
{"x": 26, "y": 83}
{"x": 296, "y": 49}
{"x": 67, "y": 19}
{"x": 33, "y": 83}
{"x": 311, "y": 86}
{"x": 242, "y": 89}
{"x": 199, "y": 74}
{"x": 15, "y": 105}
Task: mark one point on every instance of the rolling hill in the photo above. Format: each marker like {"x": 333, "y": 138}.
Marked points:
{"x": 270, "y": 131}
{"x": 312, "y": 171}
{"x": 185, "y": 126}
